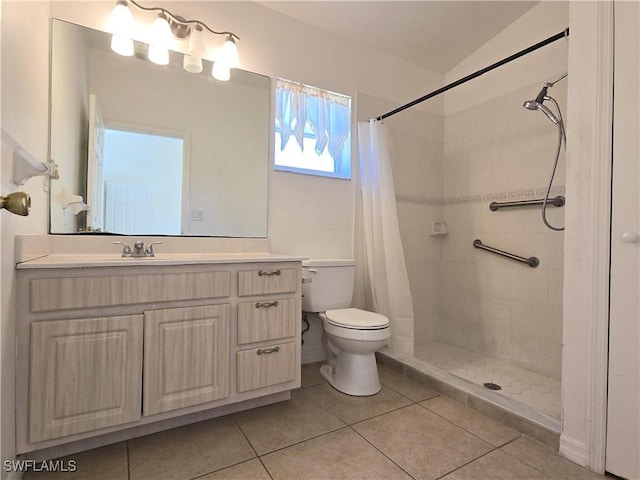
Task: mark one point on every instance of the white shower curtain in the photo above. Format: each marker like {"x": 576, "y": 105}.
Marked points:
{"x": 386, "y": 282}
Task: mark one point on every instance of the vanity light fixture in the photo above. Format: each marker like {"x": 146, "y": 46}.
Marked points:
{"x": 164, "y": 27}
{"x": 120, "y": 24}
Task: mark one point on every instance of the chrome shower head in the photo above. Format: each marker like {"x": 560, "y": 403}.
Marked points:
{"x": 535, "y": 105}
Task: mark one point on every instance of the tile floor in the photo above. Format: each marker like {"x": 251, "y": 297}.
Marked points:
{"x": 538, "y": 391}
{"x": 405, "y": 431}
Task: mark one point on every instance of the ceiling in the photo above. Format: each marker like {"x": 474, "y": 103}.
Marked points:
{"x": 433, "y": 34}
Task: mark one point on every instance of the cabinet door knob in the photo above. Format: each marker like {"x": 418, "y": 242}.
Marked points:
{"x": 630, "y": 237}
{"x": 268, "y": 350}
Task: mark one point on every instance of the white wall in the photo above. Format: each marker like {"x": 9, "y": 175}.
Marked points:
{"x": 25, "y": 86}
{"x": 544, "y": 20}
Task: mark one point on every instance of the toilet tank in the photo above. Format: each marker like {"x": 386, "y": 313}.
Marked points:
{"x": 331, "y": 285}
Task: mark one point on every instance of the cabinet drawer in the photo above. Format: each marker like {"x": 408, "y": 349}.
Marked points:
{"x": 261, "y": 367}
{"x": 268, "y": 320}
{"x": 49, "y": 294}
{"x": 267, "y": 281}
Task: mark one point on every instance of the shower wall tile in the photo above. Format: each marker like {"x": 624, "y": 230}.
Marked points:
{"x": 499, "y": 151}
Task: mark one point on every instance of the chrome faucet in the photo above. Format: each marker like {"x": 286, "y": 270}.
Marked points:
{"x": 138, "y": 249}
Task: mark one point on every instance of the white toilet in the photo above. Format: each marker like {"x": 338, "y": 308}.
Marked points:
{"x": 353, "y": 335}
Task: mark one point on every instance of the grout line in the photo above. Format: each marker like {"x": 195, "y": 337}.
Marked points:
{"x": 235, "y": 420}
{"x": 470, "y": 432}
{"x": 303, "y": 441}
{"x": 521, "y": 460}
{"x": 467, "y": 463}
{"x": 233, "y": 464}
{"x": 381, "y": 452}
{"x": 128, "y": 462}
{"x": 265, "y": 468}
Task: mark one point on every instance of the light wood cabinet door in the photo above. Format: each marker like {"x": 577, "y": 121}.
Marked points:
{"x": 85, "y": 374}
{"x": 186, "y": 357}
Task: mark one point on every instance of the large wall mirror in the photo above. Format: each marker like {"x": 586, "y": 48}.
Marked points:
{"x": 154, "y": 150}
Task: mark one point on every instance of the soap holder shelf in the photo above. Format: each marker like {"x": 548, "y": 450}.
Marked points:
{"x": 438, "y": 228}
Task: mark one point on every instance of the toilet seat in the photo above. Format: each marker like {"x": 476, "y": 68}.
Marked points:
{"x": 356, "y": 319}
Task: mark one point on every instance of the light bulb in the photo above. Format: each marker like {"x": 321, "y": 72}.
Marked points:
{"x": 120, "y": 24}
{"x": 158, "y": 55}
{"x": 122, "y": 45}
{"x": 197, "y": 49}
{"x": 192, "y": 64}
{"x": 221, "y": 72}
{"x": 197, "y": 42}
{"x": 229, "y": 54}
{"x": 160, "y": 37}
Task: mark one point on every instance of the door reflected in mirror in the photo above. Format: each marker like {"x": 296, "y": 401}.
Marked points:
{"x": 154, "y": 150}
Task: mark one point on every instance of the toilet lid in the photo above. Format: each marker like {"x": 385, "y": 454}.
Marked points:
{"x": 356, "y": 318}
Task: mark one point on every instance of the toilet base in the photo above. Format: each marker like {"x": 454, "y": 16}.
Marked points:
{"x": 353, "y": 374}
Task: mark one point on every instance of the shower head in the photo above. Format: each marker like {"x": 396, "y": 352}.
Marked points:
{"x": 535, "y": 105}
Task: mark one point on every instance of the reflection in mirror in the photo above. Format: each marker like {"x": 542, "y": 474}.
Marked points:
{"x": 154, "y": 150}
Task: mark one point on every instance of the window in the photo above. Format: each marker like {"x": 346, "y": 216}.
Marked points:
{"x": 312, "y": 130}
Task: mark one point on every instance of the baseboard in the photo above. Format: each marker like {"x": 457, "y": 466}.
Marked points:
{"x": 573, "y": 450}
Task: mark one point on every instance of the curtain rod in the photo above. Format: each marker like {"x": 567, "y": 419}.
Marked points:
{"x": 563, "y": 34}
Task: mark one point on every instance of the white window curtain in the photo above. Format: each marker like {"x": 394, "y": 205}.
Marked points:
{"x": 327, "y": 114}
{"x": 386, "y": 282}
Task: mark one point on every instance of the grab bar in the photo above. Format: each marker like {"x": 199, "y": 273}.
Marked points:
{"x": 533, "y": 262}
{"x": 556, "y": 201}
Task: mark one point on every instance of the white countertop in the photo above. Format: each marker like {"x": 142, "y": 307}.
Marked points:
{"x": 115, "y": 260}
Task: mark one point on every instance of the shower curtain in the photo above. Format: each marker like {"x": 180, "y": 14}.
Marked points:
{"x": 386, "y": 283}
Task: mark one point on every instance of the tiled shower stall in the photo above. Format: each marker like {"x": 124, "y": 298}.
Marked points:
{"x": 478, "y": 316}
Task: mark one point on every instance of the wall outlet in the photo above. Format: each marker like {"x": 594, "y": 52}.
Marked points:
{"x": 197, "y": 215}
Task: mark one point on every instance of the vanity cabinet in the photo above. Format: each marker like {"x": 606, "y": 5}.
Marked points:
{"x": 126, "y": 350}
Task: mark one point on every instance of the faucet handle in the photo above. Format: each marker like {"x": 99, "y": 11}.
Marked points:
{"x": 149, "y": 250}
{"x": 126, "y": 249}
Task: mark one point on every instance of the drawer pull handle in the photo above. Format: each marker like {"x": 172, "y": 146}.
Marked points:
{"x": 263, "y": 273}
{"x": 268, "y": 350}
{"x": 267, "y": 304}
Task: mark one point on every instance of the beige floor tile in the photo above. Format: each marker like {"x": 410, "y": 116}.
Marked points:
{"x": 342, "y": 454}
{"x": 311, "y": 374}
{"x": 188, "y": 451}
{"x": 547, "y": 460}
{"x": 252, "y": 469}
{"x": 404, "y": 385}
{"x": 105, "y": 463}
{"x": 423, "y": 444}
{"x": 472, "y": 421}
{"x": 496, "y": 465}
{"x": 352, "y": 409}
{"x": 282, "y": 424}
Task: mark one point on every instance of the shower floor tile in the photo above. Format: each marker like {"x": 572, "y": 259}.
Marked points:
{"x": 538, "y": 391}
